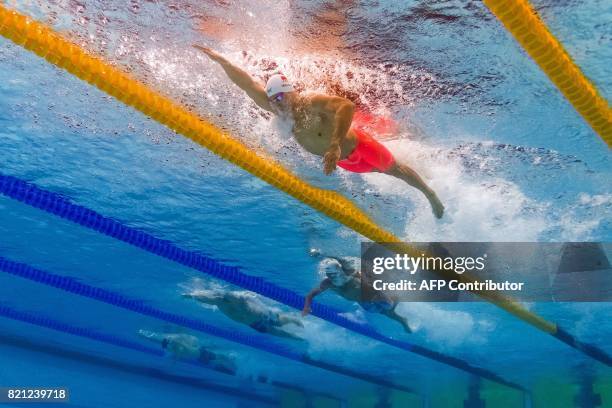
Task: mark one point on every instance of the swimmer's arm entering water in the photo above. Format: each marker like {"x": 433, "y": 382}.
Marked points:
{"x": 325, "y": 284}
{"x": 253, "y": 89}
{"x": 342, "y": 111}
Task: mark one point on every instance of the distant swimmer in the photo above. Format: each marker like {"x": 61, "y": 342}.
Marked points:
{"x": 343, "y": 277}
{"x": 246, "y": 308}
{"x": 187, "y": 347}
{"x": 322, "y": 125}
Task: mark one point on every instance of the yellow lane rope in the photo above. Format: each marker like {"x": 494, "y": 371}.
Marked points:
{"x": 525, "y": 25}
{"x": 46, "y": 43}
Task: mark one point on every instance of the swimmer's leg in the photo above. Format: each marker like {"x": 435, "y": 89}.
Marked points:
{"x": 290, "y": 319}
{"x": 280, "y": 332}
{"x": 401, "y": 319}
{"x": 225, "y": 365}
{"x": 405, "y": 173}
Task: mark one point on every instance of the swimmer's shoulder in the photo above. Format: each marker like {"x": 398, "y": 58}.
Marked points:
{"x": 325, "y": 102}
{"x": 351, "y": 264}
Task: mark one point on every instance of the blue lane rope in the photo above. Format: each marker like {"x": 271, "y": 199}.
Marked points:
{"x": 56, "y": 204}
{"x": 586, "y": 348}
{"x": 71, "y": 285}
{"x": 57, "y": 325}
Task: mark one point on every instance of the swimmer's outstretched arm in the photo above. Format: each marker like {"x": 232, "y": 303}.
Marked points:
{"x": 325, "y": 284}
{"x": 255, "y": 91}
{"x": 155, "y": 337}
{"x": 204, "y": 296}
{"x": 343, "y": 111}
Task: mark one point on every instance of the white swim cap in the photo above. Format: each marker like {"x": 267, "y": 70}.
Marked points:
{"x": 276, "y": 84}
{"x": 334, "y": 272}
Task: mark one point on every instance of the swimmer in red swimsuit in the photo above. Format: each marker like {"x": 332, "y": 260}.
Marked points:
{"x": 322, "y": 125}
{"x": 368, "y": 156}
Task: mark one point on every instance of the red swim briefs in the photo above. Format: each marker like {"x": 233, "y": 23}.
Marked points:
{"x": 368, "y": 155}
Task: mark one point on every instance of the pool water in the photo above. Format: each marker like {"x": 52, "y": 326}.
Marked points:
{"x": 509, "y": 157}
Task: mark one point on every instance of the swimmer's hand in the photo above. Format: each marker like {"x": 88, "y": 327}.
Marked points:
{"x": 306, "y": 309}
{"x": 331, "y": 159}
{"x": 213, "y": 55}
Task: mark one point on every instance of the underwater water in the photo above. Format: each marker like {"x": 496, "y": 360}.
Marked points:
{"x": 509, "y": 157}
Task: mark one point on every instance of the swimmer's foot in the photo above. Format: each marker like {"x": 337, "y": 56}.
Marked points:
{"x": 436, "y": 205}
{"x": 187, "y": 295}
{"x": 407, "y": 328}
